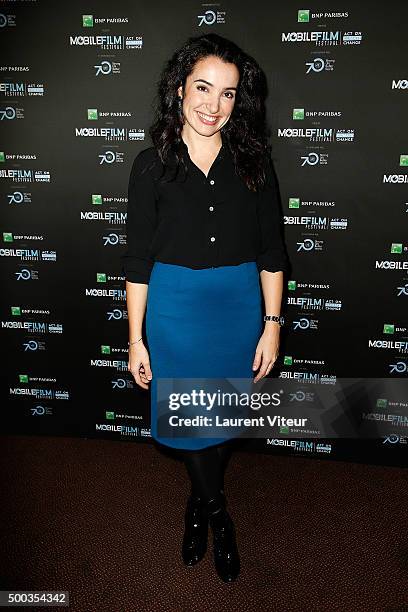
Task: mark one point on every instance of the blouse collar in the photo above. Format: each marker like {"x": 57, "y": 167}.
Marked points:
{"x": 221, "y": 153}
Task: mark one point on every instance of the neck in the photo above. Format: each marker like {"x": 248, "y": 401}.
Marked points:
{"x": 196, "y": 142}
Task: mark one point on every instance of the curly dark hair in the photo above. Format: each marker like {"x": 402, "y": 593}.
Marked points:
{"x": 245, "y": 133}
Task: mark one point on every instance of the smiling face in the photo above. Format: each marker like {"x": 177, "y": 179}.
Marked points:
{"x": 209, "y": 95}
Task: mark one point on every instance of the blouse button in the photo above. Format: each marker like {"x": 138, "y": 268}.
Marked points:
{"x": 212, "y": 238}
{"x": 211, "y": 208}
{"x": 212, "y": 182}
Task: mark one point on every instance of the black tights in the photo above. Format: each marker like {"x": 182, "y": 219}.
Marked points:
{"x": 206, "y": 468}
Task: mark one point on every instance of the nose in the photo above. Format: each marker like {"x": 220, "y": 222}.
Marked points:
{"x": 213, "y": 105}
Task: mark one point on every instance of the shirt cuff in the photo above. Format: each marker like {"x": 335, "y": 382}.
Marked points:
{"x": 137, "y": 271}
{"x": 272, "y": 263}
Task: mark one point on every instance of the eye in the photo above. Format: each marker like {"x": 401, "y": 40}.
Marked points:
{"x": 232, "y": 95}
{"x": 203, "y": 86}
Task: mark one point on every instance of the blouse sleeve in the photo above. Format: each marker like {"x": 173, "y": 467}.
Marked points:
{"x": 140, "y": 224}
{"x": 272, "y": 256}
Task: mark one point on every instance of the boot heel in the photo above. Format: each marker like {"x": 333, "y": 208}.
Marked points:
{"x": 225, "y": 549}
{"x": 195, "y": 536}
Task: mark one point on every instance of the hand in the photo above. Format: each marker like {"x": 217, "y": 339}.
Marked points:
{"x": 267, "y": 351}
{"x": 139, "y": 364}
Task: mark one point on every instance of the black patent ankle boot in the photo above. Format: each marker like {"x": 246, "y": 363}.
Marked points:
{"x": 226, "y": 555}
{"x": 196, "y": 531}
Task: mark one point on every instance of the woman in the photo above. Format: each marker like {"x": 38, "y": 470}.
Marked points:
{"x": 203, "y": 232}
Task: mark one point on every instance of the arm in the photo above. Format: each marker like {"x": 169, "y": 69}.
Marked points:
{"x": 137, "y": 264}
{"x": 272, "y": 262}
{"x": 272, "y": 289}
{"x": 136, "y": 299}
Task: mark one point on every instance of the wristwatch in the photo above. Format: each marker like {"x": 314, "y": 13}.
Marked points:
{"x": 279, "y": 320}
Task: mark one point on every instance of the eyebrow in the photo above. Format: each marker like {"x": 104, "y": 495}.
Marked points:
{"x": 208, "y": 83}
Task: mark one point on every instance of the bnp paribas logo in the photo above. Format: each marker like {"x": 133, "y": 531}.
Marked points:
{"x": 8, "y": 237}
{"x": 2, "y": 156}
{"x": 105, "y": 349}
{"x": 92, "y": 114}
{"x": 100, "y": 277}
{"x": 109, "y": 414}
{"x": 388, "y": 328}
{"x": 16, "y": 311}
{"x": 396, "y": 247}
{"x": 303, "y": 16}
{"x": 298, "y": 114}
{"x": 87, "y": 21}
{"x": 294, "y": 202}
{"x": 96, "y": 199}
{"x": 288, "y": 360}
{"x": 381, "y": 402}
{"x": 23, "y": 378}
{"x": 292, "y": 284}
{"x": 403, "y": 160}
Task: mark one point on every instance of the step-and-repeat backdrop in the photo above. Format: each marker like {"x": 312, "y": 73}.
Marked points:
{"x": 77, "y": 86}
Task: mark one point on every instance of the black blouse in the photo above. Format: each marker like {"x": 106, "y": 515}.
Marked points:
{"x": 199, "y": 221}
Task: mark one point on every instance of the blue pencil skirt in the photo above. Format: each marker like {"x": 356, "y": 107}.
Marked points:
{"x": 201, "y": 323}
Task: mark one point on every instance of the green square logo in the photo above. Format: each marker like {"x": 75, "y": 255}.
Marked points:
{"x": 284, "y": 429}
{"x": 105, "y": 349}
{"x": 396, "y": 247}
{"x": 109, "y": 415}
{"x": 2, "y": 156}
{"x": 298, "y": 113}
{"x": 92, "y": 114}
{"x": 288, "y": 360}
{"x": 16, "y": 311}
{"x": 294, "y": 202}
{"x": 96, "y": 198}
{"x": 23, "y": 378}
{"x": 388, "y": 328}
{"x": 303, "y": 16}
{"x": 87, "y": 21}
{"x": 382, "y": 403}
{"x": 292, "y": 285}
{"x": 100, "y": 277}
{"x": 7, "y": 237}
{"x": 403, "y": 160}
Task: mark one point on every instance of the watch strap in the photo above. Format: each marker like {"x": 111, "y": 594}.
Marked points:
{"x": 279, "y": 319}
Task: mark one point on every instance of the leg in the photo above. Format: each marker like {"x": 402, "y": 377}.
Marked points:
{"x": 224, "y": 450}
{"x": 205, "y": 470}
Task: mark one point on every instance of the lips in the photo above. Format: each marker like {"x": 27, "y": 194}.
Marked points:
{"x": 203, "y": 119}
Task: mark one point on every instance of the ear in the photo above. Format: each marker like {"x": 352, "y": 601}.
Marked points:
{"x": 180, "y": 91}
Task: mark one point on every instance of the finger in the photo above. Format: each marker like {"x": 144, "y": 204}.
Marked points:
{"x": 147, "y": 369}
{"x": 262, "y": 371}
{"x": 257, "y": 360}
{"x": 138, "y": 380}
{"x": 142, "y": 374}
{"x": 269, "y": 368}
